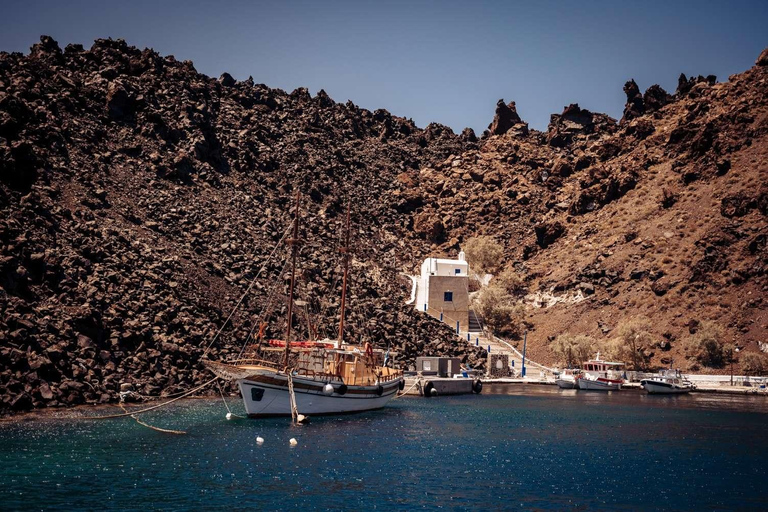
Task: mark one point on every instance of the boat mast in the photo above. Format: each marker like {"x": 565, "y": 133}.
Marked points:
{"x": 294, "y": 243}
{"x": 345, "y": 251}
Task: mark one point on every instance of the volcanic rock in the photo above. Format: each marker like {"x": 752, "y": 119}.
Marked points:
{"x": 504, "y": 118}
{"x": 140, "y": 199}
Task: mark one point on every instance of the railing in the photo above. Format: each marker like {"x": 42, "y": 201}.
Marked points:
{"x": 527, "y": 361}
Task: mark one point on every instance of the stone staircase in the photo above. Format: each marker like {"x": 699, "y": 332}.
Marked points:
{"x": 474, "y": 322}
{"x": 494, "y": 345}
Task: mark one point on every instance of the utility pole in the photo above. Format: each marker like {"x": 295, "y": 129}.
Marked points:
{"x": 731, "y": 358}
{"x": 525, "y": 340}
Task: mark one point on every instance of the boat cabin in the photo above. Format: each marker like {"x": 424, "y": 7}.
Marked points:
{"x": 598, "y": 367}
{"x": 601, "y": 366}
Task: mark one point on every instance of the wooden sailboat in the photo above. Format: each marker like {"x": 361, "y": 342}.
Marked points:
{"x": 324, "y": 377}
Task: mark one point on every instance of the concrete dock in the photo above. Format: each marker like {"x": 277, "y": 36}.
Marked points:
{"x": 438, "y": 386}
{"x": 415, "y": 386}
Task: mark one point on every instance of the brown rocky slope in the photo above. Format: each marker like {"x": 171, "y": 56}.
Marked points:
{"x": 661, "y": 215}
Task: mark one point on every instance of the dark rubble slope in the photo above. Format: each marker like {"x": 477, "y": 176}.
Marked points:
{"x": 139, "y": 199}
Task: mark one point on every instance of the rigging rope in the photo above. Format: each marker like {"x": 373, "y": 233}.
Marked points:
{"x": 253, "y": 281}
{"x": 264, "y": 314}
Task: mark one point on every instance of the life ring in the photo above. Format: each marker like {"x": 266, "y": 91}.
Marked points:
{"x": 401, "y": 386}
{"x": 477, "y": 386}
{"x": 341, "y": 390}
{"x": 379, "y": 390}
{"x": 428, "y": 388}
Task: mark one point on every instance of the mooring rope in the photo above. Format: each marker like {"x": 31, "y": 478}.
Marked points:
{"x": 142, "y": 411}
{"x": 164, "y": 430}
{"x": 407, "y": 390}
{"x": 229, "y": 411}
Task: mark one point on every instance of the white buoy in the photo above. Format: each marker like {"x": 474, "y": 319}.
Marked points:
{"x": 259, "y": 440}
{"x": 293, "y": 441}
{"x": 328, "y": 389}
{"x": 229, "y": 415}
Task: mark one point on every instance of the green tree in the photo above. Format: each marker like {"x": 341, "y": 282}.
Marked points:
{"x": 500, "y": 311}
{"x": 754, "y": 363}
{"x": 483, "y": 253}
{"x": 512, "y": 281}
{"x": 572, "y": 350}
{"x": 707, "y": 345}
{"x": 634, "y": 341}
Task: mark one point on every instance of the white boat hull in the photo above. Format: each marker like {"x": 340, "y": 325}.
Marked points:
{"x": 566, "y": 383}
{"x": 267, "y": 395}
{"x": 598, "y": 385}
{"x": 663, "y": 388}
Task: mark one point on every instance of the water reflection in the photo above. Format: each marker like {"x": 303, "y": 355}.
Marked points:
{"x": 636, "y": 397}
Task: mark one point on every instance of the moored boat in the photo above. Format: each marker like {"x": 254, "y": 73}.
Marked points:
{"x": 668, "y": 382}
{"x": 567, "y": 379}
{"x": 599, "y": 375}
{"x": 283, "y": 378}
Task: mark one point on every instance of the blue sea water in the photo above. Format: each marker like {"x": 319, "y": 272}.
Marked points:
{"x": 511, "y": 448}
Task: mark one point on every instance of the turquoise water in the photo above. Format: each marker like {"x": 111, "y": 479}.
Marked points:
{"x": 511, "y": 448}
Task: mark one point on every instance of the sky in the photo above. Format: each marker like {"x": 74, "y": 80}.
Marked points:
{"x": 433, "y": 61}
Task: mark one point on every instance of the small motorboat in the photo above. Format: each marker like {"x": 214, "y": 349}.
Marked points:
{"x": 668, "y": 382}
{"x": 599, "y": 375}
{"x": 567, "y": 379}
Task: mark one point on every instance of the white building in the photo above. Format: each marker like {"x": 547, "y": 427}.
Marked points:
{"x": 443, "y": 292}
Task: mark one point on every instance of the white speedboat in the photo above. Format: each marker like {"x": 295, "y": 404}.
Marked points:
{"x": 599, "y": 375}
{"x": 567, "y": 379}
{"x": 668, "y": 382}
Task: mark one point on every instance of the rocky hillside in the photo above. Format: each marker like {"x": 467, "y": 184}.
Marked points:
{"x": 662, "y": 214}
{"x": 139, "y": 199}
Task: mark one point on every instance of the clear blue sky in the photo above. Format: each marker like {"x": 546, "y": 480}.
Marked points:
{"x": 444, "y": 61}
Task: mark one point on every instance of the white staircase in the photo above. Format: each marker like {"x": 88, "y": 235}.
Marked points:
{"x": 533, "y": 370}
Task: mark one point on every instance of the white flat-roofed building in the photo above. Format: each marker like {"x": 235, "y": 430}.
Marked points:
{"x": 443, "y": 291}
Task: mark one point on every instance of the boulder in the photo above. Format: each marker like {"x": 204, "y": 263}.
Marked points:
{"x": 574, "y": 123}
{"x": 548, "y": 232}
{"x": 429, "y": 226}
{"x": 634, "y": 107}
{"x": 655, "y": 98}
{"x": 226, "y": 80}
{"x": 118, "y": 101}
{"x": 468, "y": 134}
{"x": 762, "y": 60}
{"x": 504, "y": 118}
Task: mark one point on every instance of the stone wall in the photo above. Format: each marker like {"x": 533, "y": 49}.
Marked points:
{"x": 498, "y": 366}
